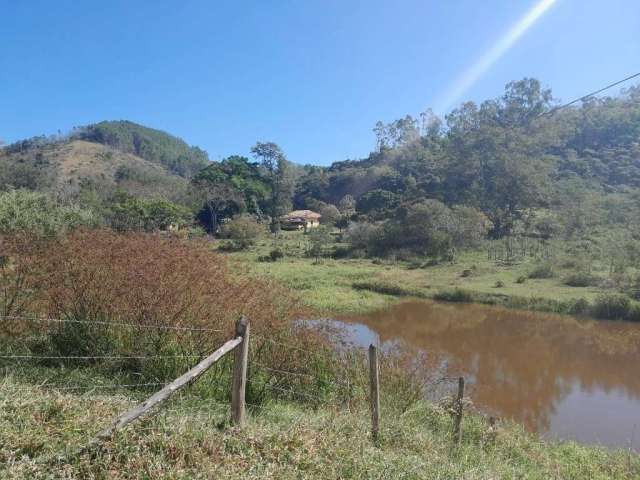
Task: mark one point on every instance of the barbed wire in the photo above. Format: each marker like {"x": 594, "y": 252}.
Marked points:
{"x": 292, "y": 392}
{"x": 93, "y": 357}
{"x": 111, "y": 324}
{"x": 293, "y": 347}
{"x": 336, "y": 382}
{"x": 50, "y": 387}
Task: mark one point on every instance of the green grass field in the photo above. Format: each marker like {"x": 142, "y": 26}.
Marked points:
{"x": 327, "y": 284}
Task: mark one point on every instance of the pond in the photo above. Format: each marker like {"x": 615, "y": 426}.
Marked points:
{"x": 560, "y": 376}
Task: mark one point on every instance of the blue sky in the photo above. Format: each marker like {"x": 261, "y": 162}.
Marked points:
{"x": 313, "y": 76}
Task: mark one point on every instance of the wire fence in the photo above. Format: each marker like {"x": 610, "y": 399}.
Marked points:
{"x": 343, "y": 382}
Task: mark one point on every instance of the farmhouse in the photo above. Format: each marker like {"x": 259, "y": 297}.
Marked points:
{"x": 299, "y": 220}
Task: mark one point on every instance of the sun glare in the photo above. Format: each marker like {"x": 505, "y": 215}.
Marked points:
{"x": 465, "y": 81}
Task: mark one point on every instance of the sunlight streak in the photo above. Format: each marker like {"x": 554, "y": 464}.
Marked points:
{"x": 465, "y": 81}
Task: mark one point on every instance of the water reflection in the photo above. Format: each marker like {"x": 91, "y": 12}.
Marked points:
{"x": 563, "y": 376}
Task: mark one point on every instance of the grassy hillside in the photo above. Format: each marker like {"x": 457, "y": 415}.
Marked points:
{"x": 67, "y": 165}
{"x": 153, "y": 145}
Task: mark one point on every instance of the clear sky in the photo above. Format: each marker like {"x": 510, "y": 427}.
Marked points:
{"x": 311, "y": 75}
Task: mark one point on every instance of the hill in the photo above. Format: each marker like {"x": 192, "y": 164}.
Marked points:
{"x": 68, "y": 165}
{"x": 153, "y": 145}
{"x": 506, "y": 157}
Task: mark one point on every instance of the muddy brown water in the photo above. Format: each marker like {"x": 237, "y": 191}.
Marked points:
{"x": 560, "y": 376}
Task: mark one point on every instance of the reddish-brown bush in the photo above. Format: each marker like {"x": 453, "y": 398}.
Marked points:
{"x": 106, "y": 278}
{"x": 20, "y": 257}
{"x": 146, "y": 279}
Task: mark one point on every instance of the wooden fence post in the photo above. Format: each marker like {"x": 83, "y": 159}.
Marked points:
{"x": 457, "y": 420}
{"x": 374, "y": 377}
{"x": 163, "y": 394}
{"x": 241, "y": 356}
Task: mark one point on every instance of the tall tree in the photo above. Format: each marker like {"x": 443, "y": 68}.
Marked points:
{"x": 279, "y": 173}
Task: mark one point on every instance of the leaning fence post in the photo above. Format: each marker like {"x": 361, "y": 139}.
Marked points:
{"x": 457, "y": 420}
{"x": 374, "y": 377}
{"x": 241, "y": 356}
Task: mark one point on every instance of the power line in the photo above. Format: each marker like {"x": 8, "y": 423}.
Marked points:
{"x": 110, "y": 324}
{"x": 589, "y": 95}
{"x": 93, "y": 357}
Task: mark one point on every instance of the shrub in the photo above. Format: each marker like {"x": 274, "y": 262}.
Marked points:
{"x": 130, "y": 213}
{"x": 542, "y": 270}
{"x": 612, "y": 307}
{"x": 362, "y": 235}
{"x": 330, "y": 214}
{"x": 319, "y": 239}
{"x": 276, "y": 255}
{"x": 243, "y": 231}
{"x": 579, "y": 307}
{"x": 385, "y": 289}
{"x": 521, "y": 279}
{"x": 343, "y": 252}
{"x": 143, "y": 279}
{"x": 581, "y": 279}
{"x": 456, "y": 295}
{"x": 26, "y": 212}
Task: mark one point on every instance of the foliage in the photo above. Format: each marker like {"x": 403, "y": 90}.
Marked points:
{"x": 243, "y": 231}
{"x": 23, "y": 211}
{"x": 542, "y": 270}
{"x": 330, "y": 214}
{"x": 581, "y": 279}
{"x": 424, "y": 228}
{"x": 613, "y": 307}
{"x": 137, "y": 279}
{"x": 28, "y": 169}
{"x": 319, "y": 239}
{"x": 363, "y": 236}
{"x": 129, "y": 213}
{"x": 242, "y": 176}
{"x": 281, "y": 440}
{"x": 457, "y": 295}
{"x": 280, "y": 177}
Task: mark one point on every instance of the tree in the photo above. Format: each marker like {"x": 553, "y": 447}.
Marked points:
{"x": 280, "y": 178}
{"x": 377, "y": 203}
{"x": 330, "y": 214}
{"x": 130, "y": 213}
{"x": 246, "y": 177}
{"x": 219, "y": 201}
{"x": 347, "y": 205}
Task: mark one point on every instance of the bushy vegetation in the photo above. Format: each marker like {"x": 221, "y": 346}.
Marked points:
{"x": 242, "y": 231}
{"x": 128, "y": 213}
{"x": 24, "y": 211}
{"x": 616, "y": 307}
{"x": 140, "y": 294}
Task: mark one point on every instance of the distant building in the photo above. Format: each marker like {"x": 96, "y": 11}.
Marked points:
{"x": 300, "y": 220}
